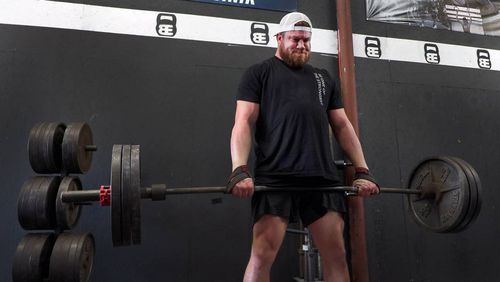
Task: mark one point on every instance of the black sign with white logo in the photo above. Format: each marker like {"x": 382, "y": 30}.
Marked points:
{"x": 372, "y": 47}
{"x": 483, "y": 59}
{"x": 432, "y": 53}
{"x": 259, "y": 33}
{"x": 166, "y": 25}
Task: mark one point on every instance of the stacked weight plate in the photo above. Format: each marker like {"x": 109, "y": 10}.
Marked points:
{"x": 54, "y": 257}
{"x": 55, "y": 150}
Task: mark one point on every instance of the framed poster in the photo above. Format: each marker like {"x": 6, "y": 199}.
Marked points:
{"x": 472, "y": 16}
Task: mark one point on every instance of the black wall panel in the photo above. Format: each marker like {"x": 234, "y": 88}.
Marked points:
{"x": 411, "y": 111}
{"x": 173, "y": 97}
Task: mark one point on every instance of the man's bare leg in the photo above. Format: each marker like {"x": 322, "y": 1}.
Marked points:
{"x": 268, "y": 234}
{"x": 328, "y": 236}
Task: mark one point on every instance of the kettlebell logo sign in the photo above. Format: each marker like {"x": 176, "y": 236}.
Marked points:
{"x": 483, "y": 59}
{"x": 259, "y": 33}
{"x": 166, "y": 25}
{"x": 372, "y": 47}
{"x": 432, "y": 53}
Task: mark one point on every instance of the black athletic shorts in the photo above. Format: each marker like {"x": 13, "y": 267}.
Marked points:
{"x": 310, "y": 206}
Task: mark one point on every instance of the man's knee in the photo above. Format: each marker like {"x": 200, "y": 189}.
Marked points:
{"x": 264, "y": 253}
{"x": 268, "y": 235}
{"x": 328, "y": 234}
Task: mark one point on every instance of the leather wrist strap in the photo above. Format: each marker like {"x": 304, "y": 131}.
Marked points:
{"x": 237, "y": 175}
{"x": 364, "y": 173}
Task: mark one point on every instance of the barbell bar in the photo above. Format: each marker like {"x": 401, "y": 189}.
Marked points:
{"x": 86, "y": 196}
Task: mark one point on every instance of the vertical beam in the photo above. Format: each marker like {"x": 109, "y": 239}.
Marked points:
{"x": 359, "y": 258}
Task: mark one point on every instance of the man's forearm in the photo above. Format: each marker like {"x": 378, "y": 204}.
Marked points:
{"x": 349, "y": 141}
{"x": 241, "y": 144}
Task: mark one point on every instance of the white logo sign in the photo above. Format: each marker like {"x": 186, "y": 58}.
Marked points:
{"x": 432, "y": 53}
{"x": 483, "y": 59}
{"x": 166, "y": 25}
{"x": 372, "y": 47}
{"x": 259, "y": 33}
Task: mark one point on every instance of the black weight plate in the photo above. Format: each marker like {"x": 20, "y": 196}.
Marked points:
{"x": 85, "y": 256}
{"x": 475, "y": 203}
{"x": 135, "y": 174}
{"x": 472, "y": 194}
{"x": 31, "y": 260}
{"x": 479, "y": 195}
{"x": 69, "y": 160}
{"x": 45, "y": 204}
{"x": 67, "y": 214}
{"x": 76, "y": 159}
{"x": 127, "y": 203}
{"x": 52, "y": 150}
{"x": 116, "y": 199}
{"x": 72, "y": 257}
{"x": 58, "y": 259}
{"x": 25, "y": 209}
{"x": 36, "y": 203}
{"x": 447, "y": 178}
{"x": 34, "y": 147}
{"x": 44, "y": 147}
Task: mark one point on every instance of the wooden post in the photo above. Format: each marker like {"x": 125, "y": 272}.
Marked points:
{"x": 359, "y": 257}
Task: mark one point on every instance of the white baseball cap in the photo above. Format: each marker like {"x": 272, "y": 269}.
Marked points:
{"x": 289, "y": 21}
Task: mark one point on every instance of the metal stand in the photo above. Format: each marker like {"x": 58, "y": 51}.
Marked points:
{"x": 311, "y": 268}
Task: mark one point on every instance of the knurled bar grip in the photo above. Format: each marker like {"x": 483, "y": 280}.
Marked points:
{"x": 146, "y": 193}
{"x": 350, "y": 189}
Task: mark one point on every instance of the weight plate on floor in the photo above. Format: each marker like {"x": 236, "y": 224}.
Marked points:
{"x": 445, "y": 196}
{"x": 36, "y": 203}
{"x": 72, "y": 258}
{"x": 116, "y": 199}
{"x": 31, "y": 260}
{"x": 126, "y": 196}
{"x": 67, "y": 214}
{"x": 44, "y": 147}
{"x": 135, "y": 196}
{"x": 76, "y": 157}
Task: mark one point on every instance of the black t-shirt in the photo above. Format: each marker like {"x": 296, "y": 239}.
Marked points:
{"x": 292, "y": 145}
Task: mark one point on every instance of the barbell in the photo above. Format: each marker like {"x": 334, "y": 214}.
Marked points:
{"x": 444, "y": 195}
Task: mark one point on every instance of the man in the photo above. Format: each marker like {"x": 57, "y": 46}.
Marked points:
{"x": 291, "y": 105}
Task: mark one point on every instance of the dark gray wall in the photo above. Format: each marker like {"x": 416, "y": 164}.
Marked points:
{"x": 411, "y": 111}
{"x": 176, "y": 99}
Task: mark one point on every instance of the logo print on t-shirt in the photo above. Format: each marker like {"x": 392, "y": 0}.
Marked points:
{"x": 321, "y": 87}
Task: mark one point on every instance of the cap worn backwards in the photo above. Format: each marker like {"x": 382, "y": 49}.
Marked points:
{"x": 289, "y": 22}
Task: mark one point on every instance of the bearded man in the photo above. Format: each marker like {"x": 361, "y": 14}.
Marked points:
{"x": 290, "y": 106}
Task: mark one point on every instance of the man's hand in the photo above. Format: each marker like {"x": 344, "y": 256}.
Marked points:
{"x": 244, "y": 188}
{"x": 366, "y": 188}
{"x": 365, "y": 182}
{"x": 240, "y": 183}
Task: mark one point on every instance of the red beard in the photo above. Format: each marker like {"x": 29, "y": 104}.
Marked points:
{"x": 294, "y": 59}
